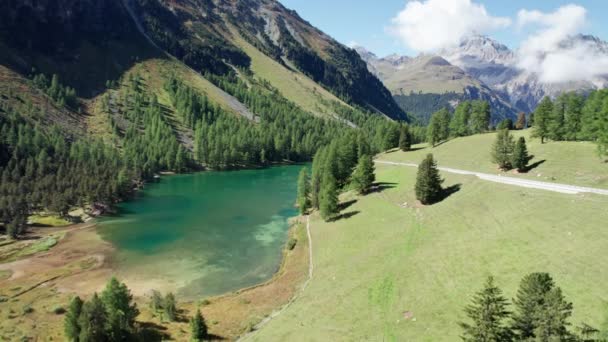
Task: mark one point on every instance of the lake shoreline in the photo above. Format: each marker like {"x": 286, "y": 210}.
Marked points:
{"x": 81, "y": 263}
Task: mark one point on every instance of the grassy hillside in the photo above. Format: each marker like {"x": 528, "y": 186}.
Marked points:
{"x": 575, "y": 163}
{"x": 391, "y": 259}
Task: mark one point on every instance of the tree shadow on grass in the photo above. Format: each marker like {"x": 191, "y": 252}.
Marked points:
{"x": 414, "y": 149}
{"x": 345, "y": 216}
{"x": 381, "y": 186}
{"x": 150, "y": 331}
{"x": 449, "y": 191}
{"x": 534, "y": 166}
{"x": 346, "y": 205}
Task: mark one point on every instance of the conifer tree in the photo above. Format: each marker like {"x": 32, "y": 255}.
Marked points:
{"x": 363, "y": 176}
{"x": 428, "y": 181}
{"x": 198, "y": 327}
{"x": 439, "y": 127}
{"x": 170, "y": 307}
{"x": 405, "y": 139}
{"x": 328, "y": 196}
{"x": 121, "y": 311}
{"x": 488, "y": 313}
{"x": 521, "y": 121}
{"x": 459, "y": 126}
{"x": 520, "y": 155}
{"x": 93, "y": 321}
{"x": 502, "y": 150}
{"x": 542, "y": 119}
{"x": 540, "y": 309}
{"x": 303, "y": 191}
{"x": 71, "y": 325}
{"x": 480, "y": 116}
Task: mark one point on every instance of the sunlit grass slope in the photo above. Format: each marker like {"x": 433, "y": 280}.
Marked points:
{"x": 575, "y": 163}
{"x": 394, "y": 258}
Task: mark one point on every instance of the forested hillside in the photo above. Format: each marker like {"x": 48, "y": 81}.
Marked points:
{"x": 99, "y": 97}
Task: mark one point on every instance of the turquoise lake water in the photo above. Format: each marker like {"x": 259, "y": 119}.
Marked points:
{"x": 206, "y": 233}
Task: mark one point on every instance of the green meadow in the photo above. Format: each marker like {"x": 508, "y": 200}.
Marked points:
{"x": 397, "y": 271}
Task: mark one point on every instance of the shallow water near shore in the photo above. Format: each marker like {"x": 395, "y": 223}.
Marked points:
{"x": 204, "y": 234}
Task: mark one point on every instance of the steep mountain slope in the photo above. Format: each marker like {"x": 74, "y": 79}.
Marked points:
{"x": 496, "y": 65}
{"x": 425, "y": 84}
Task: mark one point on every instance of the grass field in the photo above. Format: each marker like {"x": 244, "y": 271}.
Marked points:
{"x": 392, "y": 258}
{"x": 575, "y": 163}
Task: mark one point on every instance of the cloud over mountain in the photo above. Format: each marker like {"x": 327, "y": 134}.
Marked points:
{"x": 430, "y": 25}
{"x": 552, "y": 49}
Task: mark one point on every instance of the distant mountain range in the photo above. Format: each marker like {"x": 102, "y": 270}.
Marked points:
{"x": 478, "y": 68}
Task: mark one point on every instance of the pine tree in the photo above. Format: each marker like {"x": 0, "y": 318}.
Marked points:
{"x": 542, "y": 119}
{"x": 502, "y": 150}
{"x": 439, "y": 127}
{"x": 121, "y": 312}
{"x": 480, "y": 116}
{"x": 552, "y": 319}
{"x": 405, "y": 139}
{"x": 170, "y": 307}
{"x": 521, "y": 121}
{"x": 459, "y": 126}
{"x": 520, "y": 155}
{"x": 530, "y": 303}
{"x": 488, "y": 313}
{"x": 198, "y": 327}
{"x": 93, "y": 321}
{"x": 303, "y": 191}
{"x": 71, "y": 325}
{"x": 363, "y": 176}
{"x": 428, "y": 182}
{"x": 328, "y": 196}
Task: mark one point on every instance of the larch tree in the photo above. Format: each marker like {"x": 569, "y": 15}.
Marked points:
{"x": 480, "y": 116}
{"x": 542, "y": 119}
{"x": 364, "y": 176}
{"x": 93, "y": 321}
{"x": 428, "y": 182}
{"x": 198, "y": 327}
{"x": 502, "y": 149}
{"x": 121, "y": 311}
{"x": 405, "y": 139}
{"x": 520, "y": 155}
{"x": 328, "y": 196}
{"x": 71, "y": 325}
{"x": 303, "y": 191}
{"x": 459, "y": 126}
{"x": 521, "y": 121}
{"x": 488, "y": 313}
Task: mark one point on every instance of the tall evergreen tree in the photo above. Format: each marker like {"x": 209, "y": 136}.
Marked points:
{"x": 303, "y": 191}
{"x": 542, "y": 119}
{"x": 521, "y": 121}
{"x": 520, "y": 155}
{"x": 328, "y": 196}
{"x": 198, "y": 327}
{"x": 71, "y": 325}
{"x": 428, "y": 181}
{"x": 488, "y": 313}
{"x": 93, "y": 321}
{"x": 405, "y": 139}
{"x": 439, "y": 127}
{"x": 541, "y": 312}
{"x": 480, "y": 116}
{"x": 363, "y": 176}
{"x": 170, "y": 307}
{"x": 502, "y": 150}
{"x": 120, "y": 309}
{"x": 459, "y": 126}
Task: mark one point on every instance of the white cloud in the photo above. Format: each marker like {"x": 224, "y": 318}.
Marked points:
{"x": 430, "y": 25}
{"x": 546, "y": 53}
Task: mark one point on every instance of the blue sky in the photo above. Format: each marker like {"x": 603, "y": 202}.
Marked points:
{"x": 366, "y": 21}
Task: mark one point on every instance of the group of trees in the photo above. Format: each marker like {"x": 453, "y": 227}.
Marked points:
{"x": 61, "y": 94}
{"x": 470, "y": 117}
{"x": 346, "y": 161}
{"x": 508, "y": 154}
{"x": 112, "y": 315}
{"x": 573, "y": 117}
{"x": 109, "y": 317}
{"x": 541, "y": 313}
